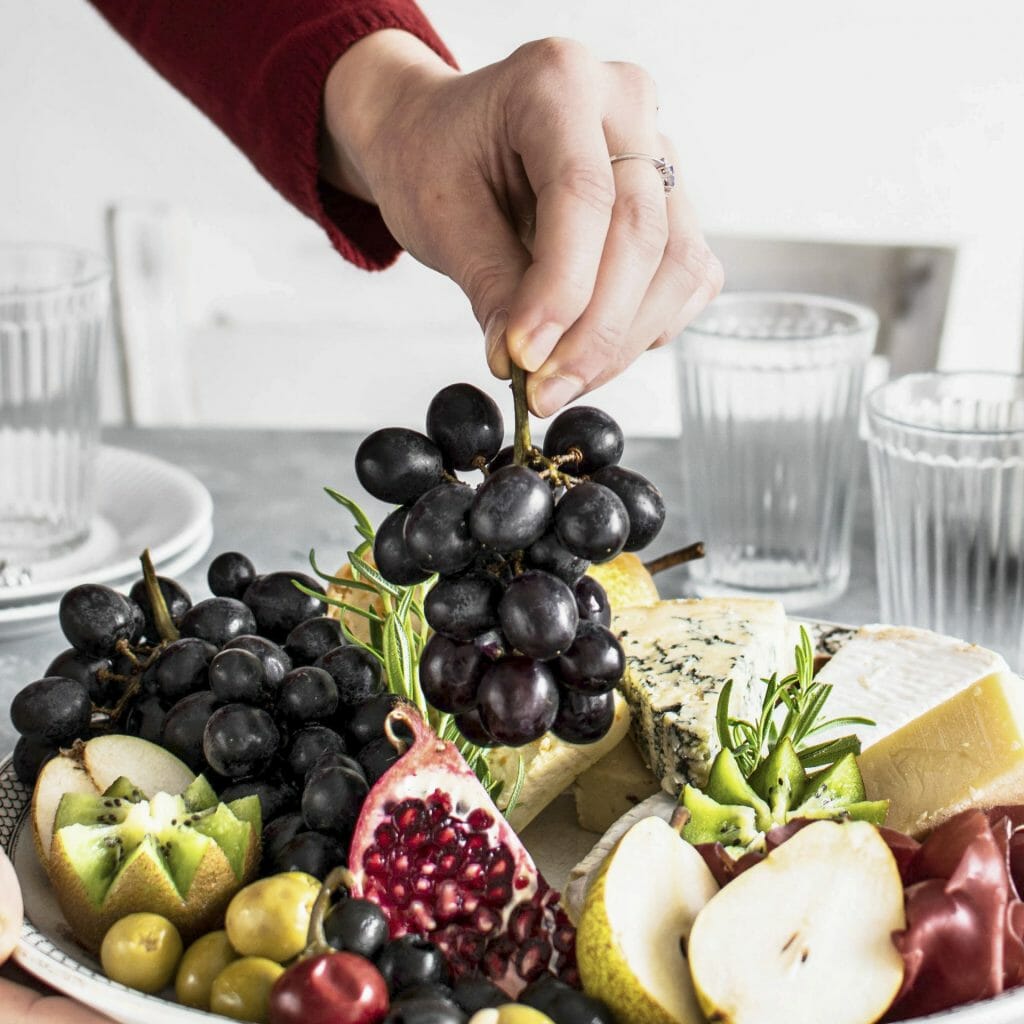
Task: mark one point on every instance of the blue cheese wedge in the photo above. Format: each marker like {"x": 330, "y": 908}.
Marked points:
{"x": 679, "y": 655}
{"x": 893, "y": 674}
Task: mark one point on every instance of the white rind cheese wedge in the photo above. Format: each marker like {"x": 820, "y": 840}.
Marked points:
{"x": 892, "y": 674}
{"x": 966, "y": 752}
{"x": 679, "y": 655}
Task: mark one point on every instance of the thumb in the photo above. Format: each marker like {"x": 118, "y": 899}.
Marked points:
{"x": 487, "y": 261}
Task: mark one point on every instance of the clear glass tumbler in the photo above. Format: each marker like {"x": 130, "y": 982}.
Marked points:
{"x": 947, "y": 473}
{"x": 54, "y": 304}
{"x": 770, "y": 389}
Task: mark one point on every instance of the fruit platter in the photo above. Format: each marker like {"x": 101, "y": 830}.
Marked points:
{"x": 308, "y": 796}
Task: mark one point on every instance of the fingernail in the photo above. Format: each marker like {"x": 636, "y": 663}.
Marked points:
{"x": 551, "y": 393}
{"x": 538, "y": 345}
{"x": 495, "y": 342}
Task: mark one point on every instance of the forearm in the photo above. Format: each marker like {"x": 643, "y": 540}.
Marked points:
{"x": 363, "y": 91}
{"x": 258, "y": 69}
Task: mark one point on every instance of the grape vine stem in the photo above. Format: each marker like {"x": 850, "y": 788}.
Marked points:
{"x": 523, "y": 443}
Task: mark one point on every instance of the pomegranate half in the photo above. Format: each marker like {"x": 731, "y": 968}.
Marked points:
{"x": 439, "y": 858}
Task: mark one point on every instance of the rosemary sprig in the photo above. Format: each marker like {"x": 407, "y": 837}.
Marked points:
{"x": 799, "y": 701}
{"x": 398, "y": 632}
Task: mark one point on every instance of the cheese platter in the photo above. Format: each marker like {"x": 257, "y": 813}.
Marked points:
{"x": 484, "y": 772}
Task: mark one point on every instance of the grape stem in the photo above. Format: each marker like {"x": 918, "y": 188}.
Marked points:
{"x": 161, "y": 616}
{"x": 523, "y": 443}
{"x": 674, "y": 558}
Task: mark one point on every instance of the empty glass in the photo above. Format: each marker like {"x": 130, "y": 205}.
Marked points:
{"x": 770, "y": 389}
{"x": 947, "y": 473}
{"x": 53, "y": 311}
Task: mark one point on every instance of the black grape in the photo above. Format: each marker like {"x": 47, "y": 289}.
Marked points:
{"x": 239, "y": 740}
{"x": 473, "y": 729}
{"x": 538, "y": 614}
{"x": 583, "y": 717}
{"x": 183, "y": 728}
{"x": 30, "y": 754}
{"x": 230, "y": 574}
{"x": 397, "y": 465}
{"x": 276, "y": 663}
{"x": 592, "y": 522}
{"x": 94, "y": 618}
{"x": 594, "y": 661}
{"x": 463, "y": 607}
{"x": 176, "y": 597}
{"x": 512, "y": 508}
{"x": 644, "y": 504}
{"x": 450, "y": 674}
{"x": 238, "y": 676}
{"x": 181, "y": 668}
{"x": 518, "y": 700}
{"x": 54, "y": 708}
{"x": 308, "y": 694}
{"x": 436, "y": 530}
{"x": 146, "y": 718}
{"x": 391, "y": 554}
{"x": 593, "y": 432}
{"x": 551, "y": 555}
{"x": 307, "y": 746}
{"x": 279, "y": 606}
{"x": 218, "y": 620}
{"x": 86, "y": 669}
{"x": 312, "y": 638}
{"x": 357, "y": 674}
{"x": 465, "y": 424}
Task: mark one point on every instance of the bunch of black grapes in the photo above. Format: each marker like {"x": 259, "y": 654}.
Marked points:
{"x": 260, "y": 692}
{"x": 521, "y": 641}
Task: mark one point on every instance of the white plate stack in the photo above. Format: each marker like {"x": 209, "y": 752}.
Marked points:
{"x": 142, "y": 502}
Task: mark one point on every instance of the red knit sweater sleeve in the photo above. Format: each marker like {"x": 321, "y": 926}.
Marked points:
{"x": 257, "y": 68}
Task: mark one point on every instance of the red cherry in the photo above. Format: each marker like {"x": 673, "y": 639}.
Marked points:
{"x": 331, "y": 988}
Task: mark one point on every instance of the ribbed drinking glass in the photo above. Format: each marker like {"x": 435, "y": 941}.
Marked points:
{"x": 947, "y": 474}
{"x": 53, "y": 310}
{"x": 770, "y": 388}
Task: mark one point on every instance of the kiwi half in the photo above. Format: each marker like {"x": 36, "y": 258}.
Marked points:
{"x": 179, "y": 855}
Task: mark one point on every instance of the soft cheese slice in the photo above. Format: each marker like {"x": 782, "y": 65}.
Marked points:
{"x": 966, "y": 752}
{"x": 616, "y": 784}
{"x": 679, "y": 655}
{"x": 891, "y": 674}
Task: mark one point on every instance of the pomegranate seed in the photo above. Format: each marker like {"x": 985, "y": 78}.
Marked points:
{"x": 448, "y": 864}
{"x": 480, "y": 820}
{"x": 386, "y": 836}
{"x": 501, "y": 866}
{"x": 533, "y": 958}
{"x": 446, "y": 836}
{"x": 374, "y": 863}
{"x": 497, "y": 895}
{"x": 423, "y": 885}
{"x": 523, "y": 922}
{"x": 564, "y": 939}
{"x": 411, "y": 817}
{"x": 486, "y": 921}
{"x": 399, "y": 894}
{"x": 476, "y": 844}
{"x": 472, "y": 874}
{"x": 449, "y": 900}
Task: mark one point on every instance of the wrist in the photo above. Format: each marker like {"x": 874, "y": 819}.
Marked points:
{"x": 364, "y": 90}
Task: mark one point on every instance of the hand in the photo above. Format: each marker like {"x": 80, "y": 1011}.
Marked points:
{"x": 501, "y": 179}
{"x": 20, "y": 1005}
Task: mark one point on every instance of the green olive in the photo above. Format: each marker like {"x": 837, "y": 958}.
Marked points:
{"x": 141, "y": 951}
{"x": 270, "y": 918}
{"x": 516, "y": 1013}
{"x": 202, "y": 962}
{"x": 242, "y": 989}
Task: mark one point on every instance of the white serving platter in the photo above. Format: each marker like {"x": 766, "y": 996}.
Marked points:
{"x": 49, "y": 951}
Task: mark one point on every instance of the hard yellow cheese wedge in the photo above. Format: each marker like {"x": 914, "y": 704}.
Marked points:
{"x": 966, "y": 752}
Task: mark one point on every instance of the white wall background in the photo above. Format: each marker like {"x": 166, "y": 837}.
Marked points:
{"x": 868, "y": 121}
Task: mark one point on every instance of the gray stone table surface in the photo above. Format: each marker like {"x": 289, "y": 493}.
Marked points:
{"x": 268, "y": 497}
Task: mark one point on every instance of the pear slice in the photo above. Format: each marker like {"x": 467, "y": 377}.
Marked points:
{"x": 151, "y": 768}
{"x": 635, "y": 922}
{"x": 804, "y": 936}
{"x": 60, "y": 776}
